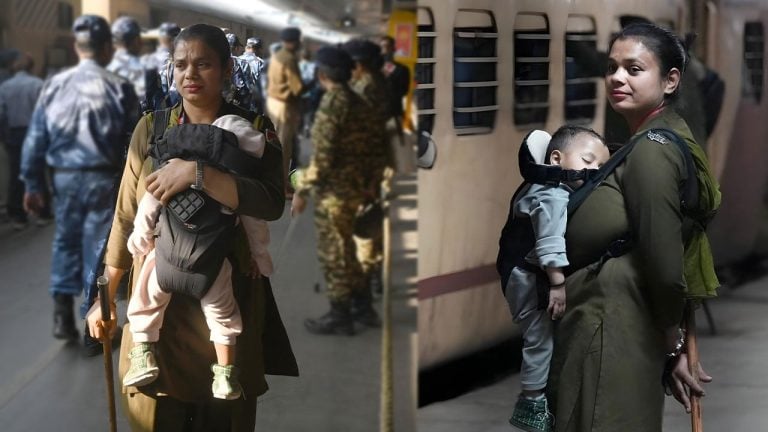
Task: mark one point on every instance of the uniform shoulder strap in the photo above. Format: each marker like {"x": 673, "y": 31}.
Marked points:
{"x": 591, "y": 183}
{"x": 689, "y": 193}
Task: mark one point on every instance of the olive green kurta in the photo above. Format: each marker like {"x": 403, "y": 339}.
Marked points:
{"x": 184, "y": 352}
{"x": 609, "y": 347}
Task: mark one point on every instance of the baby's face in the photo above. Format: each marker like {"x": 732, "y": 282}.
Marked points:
{"x": 585, "y": 151}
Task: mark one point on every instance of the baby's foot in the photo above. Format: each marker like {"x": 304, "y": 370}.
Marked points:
{"x": 143, "y": 368}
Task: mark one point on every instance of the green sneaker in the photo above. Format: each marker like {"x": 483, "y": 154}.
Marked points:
{"x": 143, "y": 368}
{"x": 532, "y": 415}
{"x": 225, "y": 384}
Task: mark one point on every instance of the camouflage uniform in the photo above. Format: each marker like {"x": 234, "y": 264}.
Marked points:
{"x": 244, "y": 91}
{"x": 129, "y": 67}
{"x": 338, "y": 174}
{"x": 372, "y": 88}
{"x": 256, "y": 66}
{"x": 80, "y": 128}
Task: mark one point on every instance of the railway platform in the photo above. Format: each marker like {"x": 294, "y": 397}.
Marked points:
{"x": 735, "y": 356}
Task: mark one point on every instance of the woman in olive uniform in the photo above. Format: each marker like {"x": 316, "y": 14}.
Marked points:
{"x": 181, "y": 397}
{"x": 623, "y": 315}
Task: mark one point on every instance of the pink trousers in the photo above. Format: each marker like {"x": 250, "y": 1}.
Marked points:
{"x": 148, "y": 302}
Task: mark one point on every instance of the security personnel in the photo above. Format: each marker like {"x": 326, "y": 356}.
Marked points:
{"x": 338, "y": 178}
{"x": 17, "y": 100}
{"x": 80, "y": 129}
{"x": 398, "y": 78}
{"x": 256, "y": 64}
{"x": 244, "y": 91}
{"x": 284, "y": 92}
{"x": 126, "y": 35}
{"x": 368, "y": 81}
{"x": 160, "y": 89}
{"x": 166, "y": 33}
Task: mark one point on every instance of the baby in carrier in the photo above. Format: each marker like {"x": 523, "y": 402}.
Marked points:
{"x": 535, "y": 286}
{"x": 150, "y": 297}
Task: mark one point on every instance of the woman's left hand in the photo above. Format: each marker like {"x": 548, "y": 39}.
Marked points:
{"x": 678, "y": 381}
{"x": 175, "y": 176}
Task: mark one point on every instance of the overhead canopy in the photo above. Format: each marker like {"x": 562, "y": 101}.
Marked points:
{"x": 320, "y": 20}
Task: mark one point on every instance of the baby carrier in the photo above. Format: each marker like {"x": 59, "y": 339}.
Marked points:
{"x": 195, "y": 236}
{"x": 699, "y": 201}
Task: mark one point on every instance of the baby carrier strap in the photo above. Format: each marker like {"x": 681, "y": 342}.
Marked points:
{"x": 211, "y": 144}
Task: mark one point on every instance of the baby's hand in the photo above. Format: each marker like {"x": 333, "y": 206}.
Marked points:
{"x": 255, "y": 272}
{"x": 556, "y": 306}
{"x": 140, "y": 245}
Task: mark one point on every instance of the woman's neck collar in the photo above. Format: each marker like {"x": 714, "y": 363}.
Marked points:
{"x": 200, "y": 114}
{"x": 634, "y": 126}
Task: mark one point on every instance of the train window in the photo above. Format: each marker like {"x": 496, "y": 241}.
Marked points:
{"x": 474, "y": 72}
{"x": 580, "y": 79}
{"x": 754, "y": 44}
{"x": 531, "y": 105}
{"x": 425, "y": 70}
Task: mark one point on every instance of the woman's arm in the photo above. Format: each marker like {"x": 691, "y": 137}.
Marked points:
{"x": 651, "y": 183}
{"x": 260, "y": 196}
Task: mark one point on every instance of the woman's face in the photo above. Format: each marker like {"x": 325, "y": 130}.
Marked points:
{"x": 198, "y": 73}
{"x": 633, "y": 81}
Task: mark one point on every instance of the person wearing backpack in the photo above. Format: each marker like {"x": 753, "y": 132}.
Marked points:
{"x": 621, "y": 332}
{"x": 150, "y": 299}
{"x": 543, "y": 207}
{"x": 180, "y": 398}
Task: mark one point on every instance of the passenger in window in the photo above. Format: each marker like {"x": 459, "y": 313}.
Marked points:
{"x": 620, "y": 334}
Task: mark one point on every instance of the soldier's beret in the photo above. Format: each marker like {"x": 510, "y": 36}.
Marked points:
{"x": 361, "y": 49}
{"x": 91, "y": 28}
{"x": 169, "y": 29}
{"x": 233, "y": 40}
{"x": 253, "y": 42}
{"x": 290, "y": 34}
{"x": 125, "y": 29}
{"x": 333, "y": 57}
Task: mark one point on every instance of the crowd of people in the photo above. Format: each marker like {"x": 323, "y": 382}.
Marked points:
{"x": 123, "y": 137}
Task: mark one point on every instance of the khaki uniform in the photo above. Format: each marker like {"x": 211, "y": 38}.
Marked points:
{"x": 609, "y": 347}
{"x": 339, "y": 173}
{"x": 184, "y": 351}
{"x": 283, "y": 102}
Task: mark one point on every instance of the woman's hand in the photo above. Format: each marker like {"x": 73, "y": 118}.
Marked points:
{"x": 175, "y": 176}
{"x": 298, "y": 204}
{"x": 679, "y": 382}
{"x": 556, "y": 306}
{"x": 96, "y": 325}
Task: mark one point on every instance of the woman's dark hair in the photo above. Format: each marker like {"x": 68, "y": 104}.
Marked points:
{"x": 210, "y": 35}
{"x": 564, "y": 136}
{"x": 664, "y": 44}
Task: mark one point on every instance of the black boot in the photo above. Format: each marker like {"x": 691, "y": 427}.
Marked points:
{"x": 362, "y": 309}
{"x": 64, "y": 317}
{"x": 336, "y": 321}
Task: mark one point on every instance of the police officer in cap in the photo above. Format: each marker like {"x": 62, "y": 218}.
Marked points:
{"x": 166, "y": 33}
{"x": 252, "y": 56}
{"x": 284, "y": 92}
{"x": 126, "y": 34}
{"x": 339, "y": 177}
{"x": 80, "y": 129}
{"x": 244, "y": 91}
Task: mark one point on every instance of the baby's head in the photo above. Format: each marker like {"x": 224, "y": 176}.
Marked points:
{"x": 576, "y": 148}
{"x": 248, "y": 138}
